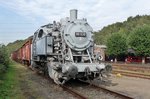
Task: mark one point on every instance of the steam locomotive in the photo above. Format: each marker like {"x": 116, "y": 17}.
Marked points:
{"x": 65, "y": 50}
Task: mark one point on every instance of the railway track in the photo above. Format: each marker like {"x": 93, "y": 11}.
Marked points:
{"x": 132, "y": 74}
{"x": 78, "y": 95}
{"x": 136, "y": 66}
{"x": 112, "y": 92}
{"x": 140, "y": 70}
{"x": 95, "y": 87}
{"x": 132, "y": 70}
{"x": 73, "y": 92}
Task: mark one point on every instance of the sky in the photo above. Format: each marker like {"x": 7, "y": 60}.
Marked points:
{"x": 19, "y": 19}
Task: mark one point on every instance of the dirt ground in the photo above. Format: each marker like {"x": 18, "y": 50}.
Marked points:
{"x": 33, "y": 86}
{"x": 134, "y": 87}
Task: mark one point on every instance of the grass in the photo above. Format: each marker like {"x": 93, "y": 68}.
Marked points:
{"x": 9, "y": 83}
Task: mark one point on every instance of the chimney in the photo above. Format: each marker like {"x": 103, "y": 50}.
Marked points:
{"x": 73, "y": 14}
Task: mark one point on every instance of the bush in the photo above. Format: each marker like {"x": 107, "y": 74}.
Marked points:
{"x": 2, "y": 68}
{"x": 4, "y": 58}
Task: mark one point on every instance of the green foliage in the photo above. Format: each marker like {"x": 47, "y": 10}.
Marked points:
{"x": 15, "y": 45}
{"x": 3, "y": 68}
{"x": 4, "y": 58}
{"x": 5, "y": 52}
{"x": 139, "y": 40}
{"x": 116, "y": 45}
{"x": 8, "y": 83}
{"x": 123, "y": 28}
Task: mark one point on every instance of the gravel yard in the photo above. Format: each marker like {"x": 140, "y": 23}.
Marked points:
{"x": 33, "y": 86}
{"x": 134, "y": 87}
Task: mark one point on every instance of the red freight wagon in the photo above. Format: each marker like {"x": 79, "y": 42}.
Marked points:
{"x": 19, "y": 55}
{"x": 26, "y": 51}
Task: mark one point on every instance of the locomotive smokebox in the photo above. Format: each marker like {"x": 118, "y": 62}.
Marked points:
{"x": 73, "y": 14}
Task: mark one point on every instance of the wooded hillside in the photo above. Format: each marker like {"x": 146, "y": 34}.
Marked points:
{"x": 14, "y": 45}
{"x": 123, "y": 28}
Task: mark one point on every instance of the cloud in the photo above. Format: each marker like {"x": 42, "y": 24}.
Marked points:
{"x": 99, "y": 13}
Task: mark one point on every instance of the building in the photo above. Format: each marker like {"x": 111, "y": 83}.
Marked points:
{"x": 100, "y": 49}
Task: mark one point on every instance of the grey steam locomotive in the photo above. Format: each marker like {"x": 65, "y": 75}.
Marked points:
{"x": 65, "y": 50}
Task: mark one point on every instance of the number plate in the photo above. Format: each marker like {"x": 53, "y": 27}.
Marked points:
{"x": 80, "y": 34}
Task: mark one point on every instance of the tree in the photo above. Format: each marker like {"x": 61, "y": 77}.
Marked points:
{"x": 116, "y": 46}
{"x": 139, "y": 40}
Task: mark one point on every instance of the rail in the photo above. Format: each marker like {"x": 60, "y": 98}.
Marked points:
{"x": 132, "y": 74}
{"x": 75, "y": 93}
{"x": 122, "y": 96}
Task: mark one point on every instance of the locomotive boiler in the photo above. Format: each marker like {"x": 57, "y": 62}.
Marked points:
{"x": 64, "y": 50}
